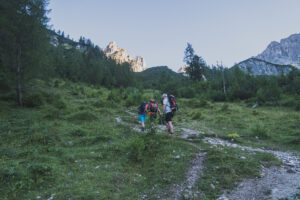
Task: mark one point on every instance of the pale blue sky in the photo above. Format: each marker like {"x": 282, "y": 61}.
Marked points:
{"x": 219, "y": 30}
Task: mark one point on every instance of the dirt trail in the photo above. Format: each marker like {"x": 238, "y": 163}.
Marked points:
{"x": 185, "y": 189}
{"x": 275, "y": 182}
{"x": 192, "y": 175}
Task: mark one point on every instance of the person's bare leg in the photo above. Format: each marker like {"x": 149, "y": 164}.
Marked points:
{"x": 143, "y": 125}
{"x": 171, "y": 127}
{"x": 168, "y": 127}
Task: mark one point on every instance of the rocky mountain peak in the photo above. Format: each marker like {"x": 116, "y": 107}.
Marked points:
{"x": 182, "y": 69}
{"x": 120, "y": 55}
{"x": 285, "y": 52}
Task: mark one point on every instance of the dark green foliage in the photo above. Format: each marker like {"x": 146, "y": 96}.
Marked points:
{"x": 260, "y": 131}
{"x": 198, "y": 103}
{"x": 33, "y": 99}
{"x": 143, "y": 147}
{"x": 196, "y": 115}
{"x": 225, "y": 108}
{"x": 195, "y": 63}
{"x": 24, "y": 41}
{"x": 187, "y": 92}
{"x": 136, "y": 148}
{"x": 82, "y": 116}
{"x": 39, "y": 170}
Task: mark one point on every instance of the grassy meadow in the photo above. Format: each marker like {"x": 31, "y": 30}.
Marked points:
{"x": 66, "y": 142}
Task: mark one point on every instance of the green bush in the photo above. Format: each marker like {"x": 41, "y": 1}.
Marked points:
{"x": 260, "y": 131}
{"x": 8, "y": 96}
{"x": 82, "y": 116}
{"x": 187, "y": 92}
{"x": 114, "y": 96}
{"x": 134, "y": 99}
{"x": 297, "y": 107}
{"x": 198, "y": 103}
{"x": 78, "y": 132}
{"x": 99, "y": 103}
{"x": 217, "y": 95}
{"x": 33, "y": 99}
{"x": 136, "y": 148}
{"x": 141, "y": 148}
{"x": 55, "y": 100}
{"x": 40, "y": 171}
{"x": 4, "y": 84}
{"x": 224, "y": 108}
{"x": 196, "y": 115}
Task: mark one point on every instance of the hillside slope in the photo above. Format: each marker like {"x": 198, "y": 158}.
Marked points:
{"x": 285, "y": 52}
{"x": 257, "y": 66}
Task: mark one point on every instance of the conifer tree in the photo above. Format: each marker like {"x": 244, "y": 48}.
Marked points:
{"x": 24, "y": 39}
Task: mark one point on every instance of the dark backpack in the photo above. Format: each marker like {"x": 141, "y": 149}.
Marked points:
{"x": 173, "y": 104}
{"x": 153, "y": 107}
{"x": 141, "y": 108}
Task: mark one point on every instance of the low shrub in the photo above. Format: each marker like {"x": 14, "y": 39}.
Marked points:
{"x": 260, "y": 131}
{"x": 33, "y": 99}
{"x": 187, "y": 92}
{"x": 136, "y": 148}
{"x": 78, "y": 132}
{"x": 56, "y": 100}
{"x": 233, "y": 135}
{"x": 225, "y": 108}
{"x": 82, "y": 116}
{"x": 196, "y": 103}
{"x": 114, "y": 96}
{"x": 99, "y": 104}
{"x": 40, "y": 171}
{"x": 196, "y": 115}
{"x": 8, "y": 96}
{"x": 143, "y": 147}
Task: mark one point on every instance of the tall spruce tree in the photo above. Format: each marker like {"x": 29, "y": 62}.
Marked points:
{"x": 24, "y": 39}
{"x": 195, "y": 63}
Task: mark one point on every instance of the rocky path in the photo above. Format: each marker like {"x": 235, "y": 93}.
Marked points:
{"x": 275, "y": 182}
{"x": 186, "y": 189}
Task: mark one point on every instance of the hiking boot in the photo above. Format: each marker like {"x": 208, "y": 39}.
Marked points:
{"x": 143, "y": 129}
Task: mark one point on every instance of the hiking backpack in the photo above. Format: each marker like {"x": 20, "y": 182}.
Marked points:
{"x": 173, "y": 104}
{"x": 141, "y": 108}
{"x": 152, "y": 106}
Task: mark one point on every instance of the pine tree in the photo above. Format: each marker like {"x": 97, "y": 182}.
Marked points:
{"x": 23, "y": 36}
{"x": 195, "y": 63}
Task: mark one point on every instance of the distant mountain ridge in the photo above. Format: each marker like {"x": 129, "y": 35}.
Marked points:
{"x": 278, "y": 57}
{"x": 257, "y": 67}
{"x": 120, "y": 55}
{"x": 285, "y": 52}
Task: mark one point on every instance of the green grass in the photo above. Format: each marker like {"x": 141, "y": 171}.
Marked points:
{"x": 67, "y": 142}
{"x": 227, "y": 166}
{"x": 270, "y": 127}
{"x": 80, "y": 151}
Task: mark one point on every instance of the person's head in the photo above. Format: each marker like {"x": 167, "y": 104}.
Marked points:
{"x": 164, "y": 96}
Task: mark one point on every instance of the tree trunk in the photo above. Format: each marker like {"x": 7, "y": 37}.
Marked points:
{"x": 18, "y": 77}
{"x": 224, "y": 83}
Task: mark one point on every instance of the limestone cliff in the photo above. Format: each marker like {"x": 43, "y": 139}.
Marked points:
{"x": 285, "y": 52}
{"x": 120, "y": 55}
{"x": 258, "y": 67}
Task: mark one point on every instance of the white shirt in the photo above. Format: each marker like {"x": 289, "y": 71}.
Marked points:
{"x": 167, "y": 103}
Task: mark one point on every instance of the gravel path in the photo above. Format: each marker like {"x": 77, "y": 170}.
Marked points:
{"x": 185, "y": 189}
{"x": 275, "y": 182}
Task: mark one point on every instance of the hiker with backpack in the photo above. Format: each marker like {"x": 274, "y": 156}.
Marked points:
{"x": 142, "y": 115}
{"x": 169, "y": 108}
{"x": 150, "y": 108}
